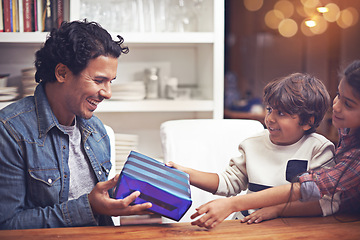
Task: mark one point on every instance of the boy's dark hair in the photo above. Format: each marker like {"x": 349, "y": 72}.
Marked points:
{"x": 74, "y": 44}
{"x": 299, "y": 94}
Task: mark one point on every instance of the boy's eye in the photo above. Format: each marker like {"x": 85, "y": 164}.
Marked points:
{"x": 280, "y": 113}
{"x": 269, "y": 109}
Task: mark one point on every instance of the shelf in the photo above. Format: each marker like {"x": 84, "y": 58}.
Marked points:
{"x": 138, "y": 38}
{"x": 244, "y": 115}
{"x": 24, "y": 37}
{"x": 160, "y": 105}
{"x": 4, "y": 104}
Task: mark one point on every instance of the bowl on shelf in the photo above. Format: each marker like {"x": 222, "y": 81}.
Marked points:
{"x": 3, "y": 80}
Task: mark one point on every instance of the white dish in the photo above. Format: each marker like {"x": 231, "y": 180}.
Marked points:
{"x": 7, "y": 97}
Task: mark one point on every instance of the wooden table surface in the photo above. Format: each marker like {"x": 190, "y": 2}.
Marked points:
{"x": 281, "y": 228}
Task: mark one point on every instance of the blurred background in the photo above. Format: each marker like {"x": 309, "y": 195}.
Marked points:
{"x": 268, "y": 39}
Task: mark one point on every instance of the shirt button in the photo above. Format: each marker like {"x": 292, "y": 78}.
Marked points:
{"x": 64, "y": 147}
{"x": 87, "y": 147}
{"x": 50, "y": 180}
{"x": 99, "y": 172}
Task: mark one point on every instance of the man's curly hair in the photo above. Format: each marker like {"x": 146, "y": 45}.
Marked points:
{"x": 74, "y": 44}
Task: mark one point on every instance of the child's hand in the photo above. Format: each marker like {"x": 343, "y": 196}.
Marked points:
{"x": 214, "y": 213}
{"x": 260, "y": 215}
{"x": 174, "y": 165}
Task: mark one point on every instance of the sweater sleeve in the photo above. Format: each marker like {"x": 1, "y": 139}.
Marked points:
{"x": 234, "y": 179}
{"x": 323, "y": 156}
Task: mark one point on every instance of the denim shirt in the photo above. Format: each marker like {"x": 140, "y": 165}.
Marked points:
{"x": 34, "y": 171}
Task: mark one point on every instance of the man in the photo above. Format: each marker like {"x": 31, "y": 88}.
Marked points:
{"x": 54, "y": 154}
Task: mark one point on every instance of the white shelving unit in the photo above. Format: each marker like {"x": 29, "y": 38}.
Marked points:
{"x": 195, "y": 58}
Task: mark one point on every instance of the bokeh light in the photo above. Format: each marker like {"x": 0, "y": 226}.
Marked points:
{"x": 310, "y": 3}
{"x": 288, "y": 27}
{"x": 333, "y": 12}
{"x": 286, "y": 7}
{"x": 273, "y": 18}
{"x": 314, "y": 16}
{"x": 305, "y": 29}
{"x": 253, "y": 5}
{"x": 321, "y": 25}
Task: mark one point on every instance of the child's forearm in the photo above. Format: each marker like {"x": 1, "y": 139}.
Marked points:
{"x": 268, "y": 197}
{"x": 203, "y": 180}
{"x": 299, "y": 209}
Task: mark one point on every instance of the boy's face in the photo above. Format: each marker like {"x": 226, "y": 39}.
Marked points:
{"x": 284, "y": 128}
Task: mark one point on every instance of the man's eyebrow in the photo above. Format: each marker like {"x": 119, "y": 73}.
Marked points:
{"x": 103, "y": 77}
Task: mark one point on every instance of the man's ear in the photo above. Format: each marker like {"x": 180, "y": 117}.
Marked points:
{"x": 60, "y": 72}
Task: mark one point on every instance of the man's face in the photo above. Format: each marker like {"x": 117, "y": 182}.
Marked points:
{"x": 82, "y": 93}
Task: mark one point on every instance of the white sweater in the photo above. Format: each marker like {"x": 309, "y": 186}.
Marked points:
{"x": 262, "y": 164}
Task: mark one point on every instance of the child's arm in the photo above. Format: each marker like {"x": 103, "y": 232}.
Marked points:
{"x": 203, "y": 180}
{"x": 284, "y": 210}
{"x": 217, "y": 210}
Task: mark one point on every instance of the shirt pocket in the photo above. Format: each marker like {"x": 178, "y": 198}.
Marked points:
{"x": 44, "y": 186}
{"x": 106, "y": 167}
{"x": 295, "y": 167}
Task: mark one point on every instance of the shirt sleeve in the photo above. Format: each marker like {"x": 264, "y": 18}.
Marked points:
{"x": 330, "y": 204}
{"x": 323, "y": 156}
{"x": 308, "y": 188}
{"x": 15, "y": 213}
{"x": 234, "y": 179}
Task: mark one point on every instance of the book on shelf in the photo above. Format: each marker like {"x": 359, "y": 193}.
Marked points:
{"x": 30, "y": 15}
{"x": 48, "y": 18}
{"x": 27, "y": 16}
{"x": 20, "y": 15}
{"x": 59, "y": 12}
{"x": 7, "y": 16}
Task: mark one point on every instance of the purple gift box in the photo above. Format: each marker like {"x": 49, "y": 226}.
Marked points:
{"x": 168, "y": 189}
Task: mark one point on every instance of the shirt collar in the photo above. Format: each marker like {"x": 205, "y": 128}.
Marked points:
{"x": 46, "y": 117}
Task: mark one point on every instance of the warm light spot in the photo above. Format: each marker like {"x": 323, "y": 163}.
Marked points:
{"x": 333, "y": 14}
{"x": 273, "y": 18}
{"x": 355, "y": 15}
{"x": 310, "y": 3}
{"x": 300, "y": 11}
{"x": 286, "y": 7}
{"x": 305, "y": 29}
{"x": 310, "y": 11}
{"x": 288, "y": 27}
{"x": 321, "y": 25}
{"x": 310, "y": 23}
{"x": 253, "y": 5}
{"x": 347, "y": 18}
{"x": 322, "y": 9}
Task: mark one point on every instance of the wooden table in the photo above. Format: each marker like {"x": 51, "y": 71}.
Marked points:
{"x": 282, "y": 228}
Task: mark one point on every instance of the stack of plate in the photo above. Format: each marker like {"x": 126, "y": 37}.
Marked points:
{"x": 134, "y": 90}
{"x": 8, "y": 93}
{"x": 28, "y": 81}
{"x": 124, "y": 144}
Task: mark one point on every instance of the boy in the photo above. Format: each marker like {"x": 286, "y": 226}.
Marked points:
{"x": 296, "y": 105}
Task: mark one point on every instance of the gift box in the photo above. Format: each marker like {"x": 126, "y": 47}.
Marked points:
{"x": 168, "y": 189}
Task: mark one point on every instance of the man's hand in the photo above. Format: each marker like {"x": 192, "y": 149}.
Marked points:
{"x": 101, "y": 203}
